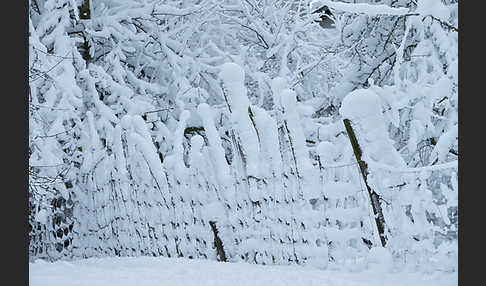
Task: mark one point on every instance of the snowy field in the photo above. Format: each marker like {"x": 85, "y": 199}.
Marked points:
{"x": 150, "y": 271}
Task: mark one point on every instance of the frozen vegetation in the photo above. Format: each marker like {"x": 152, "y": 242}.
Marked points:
{"x": 245, "y": 132}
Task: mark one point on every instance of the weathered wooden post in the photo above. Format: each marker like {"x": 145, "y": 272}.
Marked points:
{"x": 217, "y": 242}
{"x": 84, "y": 10}
{"x": 374, "y": 197}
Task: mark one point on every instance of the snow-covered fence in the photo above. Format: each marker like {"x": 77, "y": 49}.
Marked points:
{"x": 271, "y": 204}
{"x": 128, "y": 202}
{"x": 419, "y": 204}
{"x": 50, "y": 219}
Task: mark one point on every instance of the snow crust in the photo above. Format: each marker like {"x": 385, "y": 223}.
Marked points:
{"x": 380, "y": 258}
{"x": 154, "y": 271}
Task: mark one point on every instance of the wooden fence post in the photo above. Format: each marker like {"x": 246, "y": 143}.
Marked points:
{"x": 84, "y": 10}
{"x": 217, "y": 242}
{"x": 374, "y": 197}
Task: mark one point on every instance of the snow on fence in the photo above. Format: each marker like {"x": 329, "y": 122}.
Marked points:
{"x": 270, "y": 204}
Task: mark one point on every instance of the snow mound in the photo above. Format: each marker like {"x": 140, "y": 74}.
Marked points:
{"x": 363, "y": 108}
{"x": 360, "y": 103}
{"x": 380, "y": 258}
{"x": 231, "y": 72}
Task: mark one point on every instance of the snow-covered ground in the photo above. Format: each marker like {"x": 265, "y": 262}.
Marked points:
{"x": 152, "y": 271}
